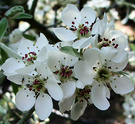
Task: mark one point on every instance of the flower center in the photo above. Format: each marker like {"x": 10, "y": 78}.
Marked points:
{"x": 103, "y": 42}
{"x": 64, "y": 73}
{"x": 103, "y": 74}
{"x": 84, "y": 94}
{"x": 83, "y": 30}
{"x": 37, "y": 85}
{"x": 30, "y": 57}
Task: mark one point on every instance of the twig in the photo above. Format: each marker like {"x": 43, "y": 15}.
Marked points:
{"x": 34, "y": 4}
{"x": 42, "y": 28}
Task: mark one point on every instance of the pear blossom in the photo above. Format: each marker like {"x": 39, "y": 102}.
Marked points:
{"x": 61, "y": 65}
{"x": 99, "y": 72}
{"x": 80, "y": 25}
{"x": 35, "y": 92}
{"x": 29, "y": 52}
{"x": 77, "y": 103}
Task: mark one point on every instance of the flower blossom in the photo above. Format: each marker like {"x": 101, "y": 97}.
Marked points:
{"x": 99, "y": 72}
{"x": 61, "y": 65}
{"x": 35, "y": 92}
{"x": 80, "y": 23}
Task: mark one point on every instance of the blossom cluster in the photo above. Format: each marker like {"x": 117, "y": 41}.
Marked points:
{"x": 79, "y": 70}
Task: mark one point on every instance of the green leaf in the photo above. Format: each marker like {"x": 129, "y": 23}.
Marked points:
{"x": 2, "y": 77}
{"x": 14, "y": 10}
{"x": 71, "y": 51}
{"x": 4, "y": 56}
{"x": 9, "y": 51}
{"x": 3, "y": 26}
{"x": 15, "y": 88}
{"x": 22, "y": 16}
{"x": 132, "y": 46}
{"x": 33, "y": 38}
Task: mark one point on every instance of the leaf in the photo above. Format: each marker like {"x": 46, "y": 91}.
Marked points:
{"x": 132, "y": 46}
{"x": 2, "y": 77}
{"x": 15, "y": 88}
{"x": 22, "y": 16}
{"x": 4, "y": 56}
{"x": 3, "y": 26}
{"x": 71, "y": 51}
{"x": 33, "y": 38}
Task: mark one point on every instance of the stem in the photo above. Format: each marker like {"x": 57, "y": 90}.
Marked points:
{"x": 9, "y": 51}
{"x": 26, "y": 116}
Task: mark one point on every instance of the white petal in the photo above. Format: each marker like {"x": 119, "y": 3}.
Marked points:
{"x": 79, "y": 84}
{"x": 79, "y": 43}
{"x": 25, "y": 47}
{"x": 84, "y": 72}
{"x": 69, "y": 14}
{"x": 88, "y": 42}
{"x": 42, "y": 69}
{"x": 68, "y": 88}
{"x": 41, "y": 42}
{"x": 96, "y": 29}
{"x": 54, "y": 89}
{"x": 78, "y": 109}
{"x": 25, "y": 99}
{"x": 122, "y": 85}
{"x": 68, "y": 60}
{"x": 64, "y": 34}
{"x": 94, "y": 55}
{"x": 109, "y": 52}
{"x": 54, "y": 61}
{"x": 119, "y": 62}
{"x": 43, "y": 106}
{"x": 42, "y": 55}
{"x": 88, "y": 14}
{"x": 20, "y": 79}
{"x": 26, "y": 70}
{"x": 122, "y": 42}
{"x": 66, "y": 104}
{"x": 98, "y": 94}
{"x": 11, "y": 65}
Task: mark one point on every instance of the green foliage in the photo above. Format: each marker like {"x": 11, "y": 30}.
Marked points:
{"x": 71, "y": 51}
{"x": 3, "y": 27}
{"x": 15, "y": 88}
{"x": 17, "y": 12}
{"x": 4, "y": 56}
{"x": 132, "y": 46}
{"x": 30, "y": 37}
{"x": 22, "y": 16}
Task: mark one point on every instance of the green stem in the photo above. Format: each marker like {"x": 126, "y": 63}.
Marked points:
{"x": 26, "y": 116}
{"x": 9, "y": 51}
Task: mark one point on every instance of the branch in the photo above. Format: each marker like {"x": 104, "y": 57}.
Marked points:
{"x": 41, "y": 28}
{"x": 34, "y": 4}
{"x": 26, "y": 116}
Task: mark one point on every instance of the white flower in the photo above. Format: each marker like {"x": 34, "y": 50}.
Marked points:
{"x": 38, "y": 85}
{"x": 30, "y": 53}
{"x": 61, "y": 65}
{"x": 77, "y": 103}
{"x": 101, "y": 73}
{"x": 111, "y": 38}
{"x": 80, "y": 23}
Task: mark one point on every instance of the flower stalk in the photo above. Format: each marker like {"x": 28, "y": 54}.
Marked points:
{"x": 26, "y": 116}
